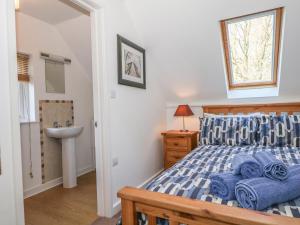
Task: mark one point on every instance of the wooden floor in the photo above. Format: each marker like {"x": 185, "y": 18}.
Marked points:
{"x": 59, "y": 206}
{"x": 107, "y": 221}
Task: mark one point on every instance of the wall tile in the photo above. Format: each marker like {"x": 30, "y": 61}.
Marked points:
{"x": 51, "y": 153}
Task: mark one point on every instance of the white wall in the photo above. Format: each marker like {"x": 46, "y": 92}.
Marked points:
{"x": 186, "y": 38}
{"x": 79, "y": 43}
{"x": 137, "y": 116}
{"x": 34, "y": 36}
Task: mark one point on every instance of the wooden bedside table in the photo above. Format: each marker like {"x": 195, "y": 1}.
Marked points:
{"x": 177, "y": 145}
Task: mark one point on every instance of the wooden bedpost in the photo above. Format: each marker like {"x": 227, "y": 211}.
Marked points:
{"x": 128, "y": 212}
{"x": 151, "y": 220}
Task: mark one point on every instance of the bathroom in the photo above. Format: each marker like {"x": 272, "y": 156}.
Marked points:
{"x": 56, "y": 91}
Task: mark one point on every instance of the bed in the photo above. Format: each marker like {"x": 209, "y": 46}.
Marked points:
{"x": 180, "y": 194}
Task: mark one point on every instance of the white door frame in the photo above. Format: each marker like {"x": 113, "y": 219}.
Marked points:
{"x": 101, "y": 110}
{"x": 10, "y": 129}
{"x": 101, "y": 106}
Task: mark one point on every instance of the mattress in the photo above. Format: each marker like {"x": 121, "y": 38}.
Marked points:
{"x": 190, "y": 177}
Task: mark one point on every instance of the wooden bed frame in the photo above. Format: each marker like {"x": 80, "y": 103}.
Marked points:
{"x": 194, "y": 212}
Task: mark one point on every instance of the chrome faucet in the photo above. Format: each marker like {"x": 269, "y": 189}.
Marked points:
{"x": 55, "y": 124}
{"x": 68, "y": 123}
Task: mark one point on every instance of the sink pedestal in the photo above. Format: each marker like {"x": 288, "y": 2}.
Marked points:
{"x": 67, "y": 136}
{"x": 69, "y": 163}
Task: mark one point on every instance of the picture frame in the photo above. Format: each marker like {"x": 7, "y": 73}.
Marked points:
{"x": 131, "y": 63}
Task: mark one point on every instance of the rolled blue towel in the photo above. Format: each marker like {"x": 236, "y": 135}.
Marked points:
{"x": 260, "y": 193}
{"x": 272, "y": 167}
{"x": 247, "y": 166}
{"x": 222, "y": 185}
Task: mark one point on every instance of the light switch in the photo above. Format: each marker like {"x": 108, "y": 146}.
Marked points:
{"x": 115, "y": 161}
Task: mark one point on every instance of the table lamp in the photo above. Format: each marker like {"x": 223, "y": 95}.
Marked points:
{"x": 183, "y": 110}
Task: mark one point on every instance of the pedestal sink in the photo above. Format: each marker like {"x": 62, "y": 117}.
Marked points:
{"x": 67, "y": 136}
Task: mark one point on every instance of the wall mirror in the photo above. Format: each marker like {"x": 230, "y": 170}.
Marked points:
{"x": 55, "y": 76}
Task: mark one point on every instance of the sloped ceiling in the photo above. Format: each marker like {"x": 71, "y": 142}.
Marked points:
{"x": 77, "y": 34}
{"x": 183, "y": 38}
{"x": 51, "y": 11}
{"x": 72, "y": 22}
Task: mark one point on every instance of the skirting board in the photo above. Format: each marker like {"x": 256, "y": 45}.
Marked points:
{"x": 117, "y": 205}
{"x": 53, "y": 183}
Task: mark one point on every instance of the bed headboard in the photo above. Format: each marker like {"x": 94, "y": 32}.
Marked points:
{"x": 278, "y": 108}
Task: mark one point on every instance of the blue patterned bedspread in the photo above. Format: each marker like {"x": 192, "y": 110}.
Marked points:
{"x": 190, "y": 177}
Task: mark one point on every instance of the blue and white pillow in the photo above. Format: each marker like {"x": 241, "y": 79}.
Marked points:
{"x": 248, "y": 130}
{"x": 217, "y": 131}
{"x": 204, "y": 129}
{"x": 232, "y": 131}
{"x": 208, "y": 136}
{"x": 264, "y": 130}
{"x": 295, "y": 130}
{"x": 235, "y": 130}
{"x": 277, "y": 131}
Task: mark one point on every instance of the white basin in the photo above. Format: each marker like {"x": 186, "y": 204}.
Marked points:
{"x": 67, "y": 136}
{"x": 64, "y": 132}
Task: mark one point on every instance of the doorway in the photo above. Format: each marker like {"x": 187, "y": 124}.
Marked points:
{"x": 102, "y": 209}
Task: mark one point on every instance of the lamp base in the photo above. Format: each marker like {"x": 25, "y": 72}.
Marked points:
{"x": 184, "y": 130}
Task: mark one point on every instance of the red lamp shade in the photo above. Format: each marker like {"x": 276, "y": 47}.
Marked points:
{"x": 183, "y": 110}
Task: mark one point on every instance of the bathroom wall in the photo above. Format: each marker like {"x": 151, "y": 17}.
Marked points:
{"x": 34, "y": 36}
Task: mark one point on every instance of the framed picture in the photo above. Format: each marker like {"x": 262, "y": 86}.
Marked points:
{"x": 131, "y": 64}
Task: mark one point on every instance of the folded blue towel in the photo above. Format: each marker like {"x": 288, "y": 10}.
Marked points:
{"x": 272, "y": 167}
{"x": 222, "y": 185}
{"x": 247, "y": 166}
{"x": 260, "y": 193}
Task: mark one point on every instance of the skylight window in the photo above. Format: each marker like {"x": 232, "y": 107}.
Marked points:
{"x": 251, "y": 48}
